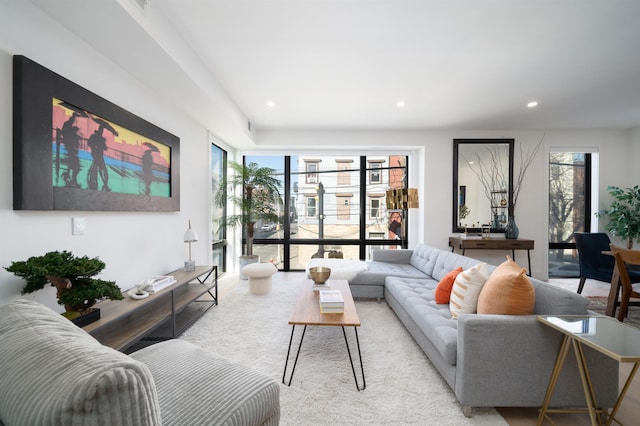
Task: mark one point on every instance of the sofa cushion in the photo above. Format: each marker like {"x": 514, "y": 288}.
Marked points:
{"x": 424, "y": 258}
{"x": 443, "y": 290}
{"x": 508, "y": 291}
{"x": 197, "y": 387}
{"x": 53, "y": 372}
{"x": 448, "y": 261}
{"x": 376, "y": 273}
{"x": 434, "y": 320}
{"x": 466, "y": 289}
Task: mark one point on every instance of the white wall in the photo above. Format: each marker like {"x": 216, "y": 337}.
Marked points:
{"x": 134, "y": 245}
{"x": 432, "y": 152}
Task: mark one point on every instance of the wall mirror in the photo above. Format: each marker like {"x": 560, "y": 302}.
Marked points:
{"x": 482, "y": 183}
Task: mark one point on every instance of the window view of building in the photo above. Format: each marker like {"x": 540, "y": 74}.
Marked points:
{"x": 336, "y": 208}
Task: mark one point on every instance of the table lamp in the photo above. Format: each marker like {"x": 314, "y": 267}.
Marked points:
{"x": 190, "y": 236}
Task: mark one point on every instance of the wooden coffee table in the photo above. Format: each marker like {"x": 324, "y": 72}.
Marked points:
{"x": 307, "y": 313}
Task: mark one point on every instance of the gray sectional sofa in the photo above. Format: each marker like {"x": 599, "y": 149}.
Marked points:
{"x": 54, "y": 373}
{"x": 487, "y": 360}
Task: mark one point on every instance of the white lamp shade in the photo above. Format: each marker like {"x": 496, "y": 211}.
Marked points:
{"x": 190, "y": 235}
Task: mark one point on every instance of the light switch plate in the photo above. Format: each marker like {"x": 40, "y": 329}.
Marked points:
{"x": 77, "y": 225}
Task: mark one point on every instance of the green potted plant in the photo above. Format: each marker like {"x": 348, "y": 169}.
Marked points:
{"x": 623, "y": 213}
{"x": 258, "y": 200}
{"x": 72, "y": 276}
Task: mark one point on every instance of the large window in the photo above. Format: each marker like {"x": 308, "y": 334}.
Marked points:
{"x": 570, "y": 201}
{"x": 335, "y": 207}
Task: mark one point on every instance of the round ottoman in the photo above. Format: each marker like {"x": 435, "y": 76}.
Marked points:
{"x": 259, "y": 275}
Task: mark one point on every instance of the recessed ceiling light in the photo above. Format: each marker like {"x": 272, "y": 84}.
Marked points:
{"x": 532, "y": 104}
{"x": 400, "y": 104}
{"x": 271, "y": 104}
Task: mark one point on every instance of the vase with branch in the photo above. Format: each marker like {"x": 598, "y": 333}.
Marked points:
{"x": 511, "y": 230}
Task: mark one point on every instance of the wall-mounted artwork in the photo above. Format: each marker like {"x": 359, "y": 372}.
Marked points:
{"x": 74, "y": 150}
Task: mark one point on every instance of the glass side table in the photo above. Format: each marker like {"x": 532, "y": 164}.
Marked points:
{"x": 604, "y": 334}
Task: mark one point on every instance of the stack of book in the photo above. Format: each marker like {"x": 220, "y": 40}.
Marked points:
{"x": 331, "y": 302}
{"x": 156, "y": 284}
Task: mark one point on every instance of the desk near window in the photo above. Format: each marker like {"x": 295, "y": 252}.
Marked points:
{"x": 464, "y": 244}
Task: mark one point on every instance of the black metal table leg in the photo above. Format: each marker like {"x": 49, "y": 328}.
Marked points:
{"x": 364, "y": 383}
{"x": 293, "y": 369}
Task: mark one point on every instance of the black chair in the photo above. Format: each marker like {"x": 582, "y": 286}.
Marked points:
{"x": 593, "y": 264}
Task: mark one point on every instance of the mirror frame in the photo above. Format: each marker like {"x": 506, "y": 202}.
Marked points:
{"x": 456, "y": 143}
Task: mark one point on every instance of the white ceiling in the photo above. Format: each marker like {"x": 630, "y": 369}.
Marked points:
{"x": 343, "y": 64}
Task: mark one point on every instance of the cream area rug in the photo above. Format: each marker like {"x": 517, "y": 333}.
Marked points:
{"x": 402, "y": 387}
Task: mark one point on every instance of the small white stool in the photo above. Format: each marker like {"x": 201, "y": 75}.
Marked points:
{"x": 259, "y": 275}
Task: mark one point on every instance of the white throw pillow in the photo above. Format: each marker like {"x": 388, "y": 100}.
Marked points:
{"x": 466, "y": 290}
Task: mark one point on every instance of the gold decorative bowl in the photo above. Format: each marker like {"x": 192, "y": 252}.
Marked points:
{"x": 319, "y": 274}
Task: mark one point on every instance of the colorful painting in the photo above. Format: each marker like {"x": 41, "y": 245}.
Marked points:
{"x": 92, "y": 153}
{"x": 74, "y": 150}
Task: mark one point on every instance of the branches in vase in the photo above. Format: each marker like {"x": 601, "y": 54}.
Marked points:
{"x": 525, "y": 162}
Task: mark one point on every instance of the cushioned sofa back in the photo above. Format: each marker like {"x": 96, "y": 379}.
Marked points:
{"x": 552, "y": 300}
{"x": 424, "y": 258}
{"x": 54, "y": 373}
{"x": 437, "y": 263}
{"x": 448, "y": 261}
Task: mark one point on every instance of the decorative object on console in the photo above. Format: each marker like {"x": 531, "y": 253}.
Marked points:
{"x": 511, "y": 230}
{"x": 486, "y": 232}
{"x": 155, "y": 284}
{"x": 137, "y": 293}
{"x": 71, "y": 276}
{"x": 623, "y": 214}
{"x": 190, "y": 236}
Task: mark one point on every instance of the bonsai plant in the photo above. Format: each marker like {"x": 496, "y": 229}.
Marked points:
{"x": 259, "y": 199}
{"x": 72, "y": 276}
{"x": 624, "y": 213}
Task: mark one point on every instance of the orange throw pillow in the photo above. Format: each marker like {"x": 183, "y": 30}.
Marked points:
{"x": 508, "y": 291}
{"x": 443, "y": 290}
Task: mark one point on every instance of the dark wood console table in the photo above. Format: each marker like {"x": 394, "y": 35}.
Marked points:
{"x": 464, "y": 244}
{"x": 128, "y": 325}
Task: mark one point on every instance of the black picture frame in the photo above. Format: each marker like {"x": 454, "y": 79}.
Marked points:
{"x": 34, "y": 87}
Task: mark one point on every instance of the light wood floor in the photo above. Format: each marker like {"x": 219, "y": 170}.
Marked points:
{"x": 629, "y": 413}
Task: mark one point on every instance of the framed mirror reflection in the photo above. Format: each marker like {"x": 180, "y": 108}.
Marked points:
{"x": 482, "y": 184}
